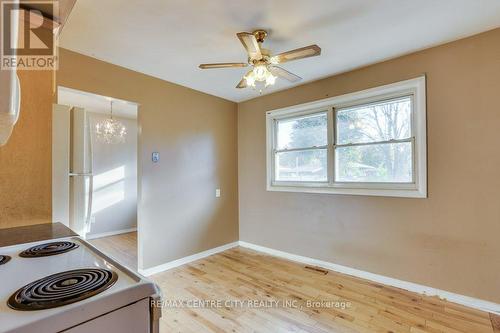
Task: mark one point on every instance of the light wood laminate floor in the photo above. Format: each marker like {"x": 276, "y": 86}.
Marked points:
{"x": 122, "y": 248}
{"x": 205, "y": 296}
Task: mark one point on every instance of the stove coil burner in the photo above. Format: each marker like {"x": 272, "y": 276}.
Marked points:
{"x": 62, "y": 289}
{"x": 48, "y": 249}
{"x": 4, "y": 259}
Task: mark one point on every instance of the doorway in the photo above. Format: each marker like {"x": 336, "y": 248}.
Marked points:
{"x": 95, "y": 170}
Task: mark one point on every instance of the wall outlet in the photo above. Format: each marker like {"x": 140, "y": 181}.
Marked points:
{"x": 155, "y": 157}
{"x": 217, "y": 192}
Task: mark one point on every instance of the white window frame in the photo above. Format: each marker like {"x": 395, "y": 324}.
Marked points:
{"x": 415, "y": 88}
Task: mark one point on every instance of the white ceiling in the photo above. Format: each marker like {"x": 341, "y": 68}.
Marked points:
{"x": 96, "y": 103}
{"x": 169, "y": 38}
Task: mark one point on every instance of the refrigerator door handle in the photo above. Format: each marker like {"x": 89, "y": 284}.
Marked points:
{"x": 89, "y": 206}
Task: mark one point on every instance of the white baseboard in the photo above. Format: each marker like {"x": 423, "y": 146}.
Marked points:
{"x": 410, "y": 286}
{"x": 110, "y": 233}
{"x": 186, "y": 260}
{"x": 417, "y": 288}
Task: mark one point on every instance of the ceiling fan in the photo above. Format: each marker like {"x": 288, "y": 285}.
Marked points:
{"x": 264, "y": 65}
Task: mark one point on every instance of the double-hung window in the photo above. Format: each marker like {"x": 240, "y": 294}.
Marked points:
{"x": 371, "y": 142}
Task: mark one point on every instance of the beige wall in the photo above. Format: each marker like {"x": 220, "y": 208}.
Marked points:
{"x": 448, "y": 241}
{"x": 25, "y": 160}
{"x": 196, "y": 135}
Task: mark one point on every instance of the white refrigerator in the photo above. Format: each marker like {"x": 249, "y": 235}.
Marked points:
{"x": 72, "y": 165}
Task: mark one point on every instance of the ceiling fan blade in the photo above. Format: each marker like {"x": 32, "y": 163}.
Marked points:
{"x": 283, "y": 73}
{"x": 250, "y": 44}
{"x": 303, "y": 52}
{"x": 243, "y": 82}
{"x": 223, "y": 65}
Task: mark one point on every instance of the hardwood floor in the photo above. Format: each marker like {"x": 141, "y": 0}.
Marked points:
{"x": 220, "y": 294}
{"x": 495, "y": 321}
{"x": 122, "y": 248}
{"x": 356, "y": 305}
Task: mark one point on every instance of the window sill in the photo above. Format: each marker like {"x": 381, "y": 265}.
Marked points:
{"x": 401, "y": 192}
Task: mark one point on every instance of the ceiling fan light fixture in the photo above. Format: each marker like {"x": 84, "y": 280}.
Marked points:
{"x": 270, "y": 80}
{"x": 264, "y": 70}
{"x": 260, "y": 72}
{"x": 250, "y": 79}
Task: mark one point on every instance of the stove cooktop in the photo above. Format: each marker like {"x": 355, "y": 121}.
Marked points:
{"x": 62, "y": 288}
{"x": 4, "y": 259}
{"x": 48, "y": 249}
{"x": 73, "y": 295}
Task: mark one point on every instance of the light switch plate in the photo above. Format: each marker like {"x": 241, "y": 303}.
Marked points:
{"x": 155, "y": 157}
{"x": 217, "y": 192}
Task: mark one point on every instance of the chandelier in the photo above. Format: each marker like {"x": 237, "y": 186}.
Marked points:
{"x": 110, "y": 130}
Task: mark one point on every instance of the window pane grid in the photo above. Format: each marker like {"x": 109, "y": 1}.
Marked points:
{"x": 304, "y": 131}
{"x": 380, "y": 121}
{"x": 359, "y": 143}
{"x": 332, "y": 177}
{"x": 375, "y": 103}
{"x": 398, "y": 170}
{"x": 373, "y": 143}
{"x": 300, "y": 149}
{"x": 301, "y": 166}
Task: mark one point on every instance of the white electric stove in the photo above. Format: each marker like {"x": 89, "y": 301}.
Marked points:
{"x": 67, "y": 285}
